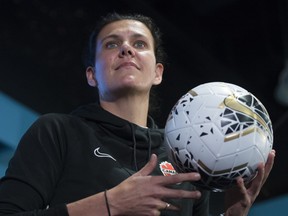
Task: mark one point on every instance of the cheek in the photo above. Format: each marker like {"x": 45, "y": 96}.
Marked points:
{"x": 99, "y": 75}
{"x": 102, "y": 72}
{"x": 104, "y": 62}
{"x": 149, "y": 62}
{"x": 100, "y": 67}
{"x": 151, "y": 68}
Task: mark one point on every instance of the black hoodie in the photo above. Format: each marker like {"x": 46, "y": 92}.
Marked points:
{"x": 66, "y": 157}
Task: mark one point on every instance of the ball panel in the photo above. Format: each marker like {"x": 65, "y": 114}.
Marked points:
{"x": 179, "y": 138}
{"x": 209, "y": 134}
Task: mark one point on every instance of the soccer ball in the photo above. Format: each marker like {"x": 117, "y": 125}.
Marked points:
{"x": 221, "y": 131}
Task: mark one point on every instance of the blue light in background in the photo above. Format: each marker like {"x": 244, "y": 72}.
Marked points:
{"x": 15, "y": 118}
{"x": 276, "y": 206}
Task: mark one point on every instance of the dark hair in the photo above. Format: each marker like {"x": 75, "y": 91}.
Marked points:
{"x": 89, "y": 58}
{"x": 160, "y": 54}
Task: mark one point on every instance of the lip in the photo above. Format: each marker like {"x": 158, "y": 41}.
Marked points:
{"x": 127, "y": 64}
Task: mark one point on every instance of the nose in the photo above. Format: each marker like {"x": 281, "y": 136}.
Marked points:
{"x": 126, "y": 50}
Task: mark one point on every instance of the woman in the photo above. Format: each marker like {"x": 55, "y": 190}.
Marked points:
{"x": 104, "y": 159}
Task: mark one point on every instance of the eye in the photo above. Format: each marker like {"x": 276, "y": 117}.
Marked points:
{"x": 139, "y": 44}
{"x": 111, "y": 45}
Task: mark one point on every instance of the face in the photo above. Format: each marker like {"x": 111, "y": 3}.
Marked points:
{"x": 125, "y": 61}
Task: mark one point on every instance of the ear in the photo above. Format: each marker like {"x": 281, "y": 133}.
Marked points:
{"x": 90, "y": 75}
{"x": 158, "y": 74}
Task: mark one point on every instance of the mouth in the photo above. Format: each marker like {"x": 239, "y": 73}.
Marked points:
{"x": 127, "y": 65}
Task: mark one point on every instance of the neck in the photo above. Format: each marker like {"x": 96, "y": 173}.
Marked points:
{"x": 133, "y": 109}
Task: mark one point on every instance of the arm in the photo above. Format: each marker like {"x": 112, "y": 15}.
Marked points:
{"x": 93, "y": 205}
{"x": 33, "y": 172}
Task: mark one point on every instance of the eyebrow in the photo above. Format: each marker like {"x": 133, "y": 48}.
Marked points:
{"x": 115, "y": 36}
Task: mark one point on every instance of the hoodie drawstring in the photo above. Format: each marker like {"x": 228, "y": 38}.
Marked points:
{"x": 150, "y": 145}
{"x": 135, "y": 146}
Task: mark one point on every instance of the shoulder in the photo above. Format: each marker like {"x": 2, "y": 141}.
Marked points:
{"x": 50, "y": 131}
{"x": 53, "y": 122}
{"x": 56, "y": 118}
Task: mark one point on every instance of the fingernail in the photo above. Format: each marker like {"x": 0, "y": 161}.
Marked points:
{"x": 198, "y": 194}
{"x": 197, "y": 175}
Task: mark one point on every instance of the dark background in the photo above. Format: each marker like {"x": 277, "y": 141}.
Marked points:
{"x": 242, "y": 42}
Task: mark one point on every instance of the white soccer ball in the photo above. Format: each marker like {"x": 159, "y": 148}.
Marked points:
{"x": 221, "y": 131}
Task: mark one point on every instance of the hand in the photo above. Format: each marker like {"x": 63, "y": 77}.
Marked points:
{"x": 143, "y": 194}
{"x": 239, "y": 200}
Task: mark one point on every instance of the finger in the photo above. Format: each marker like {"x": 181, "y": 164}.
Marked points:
{"x": 257, "y": 182}
{"x": 241, "y": 185}
{"x": 178, "y": 178}
{"x": 263, "y": 172}
{"x": 149, "y": 167}
{"x": 269, "y": 164}
{"x": 179, "y": 194}
{"x": 169, "y": 207}
{"x": 246, "y": 196}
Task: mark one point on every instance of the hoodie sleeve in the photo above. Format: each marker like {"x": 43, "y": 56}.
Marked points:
{"x": 34, "y": 170}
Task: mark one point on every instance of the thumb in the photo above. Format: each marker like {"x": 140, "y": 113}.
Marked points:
{"x": 149, "y": 167}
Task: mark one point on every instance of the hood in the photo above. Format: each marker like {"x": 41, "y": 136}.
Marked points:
{"x": 142, "y": 141}
{"x": 94, "y": 112}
